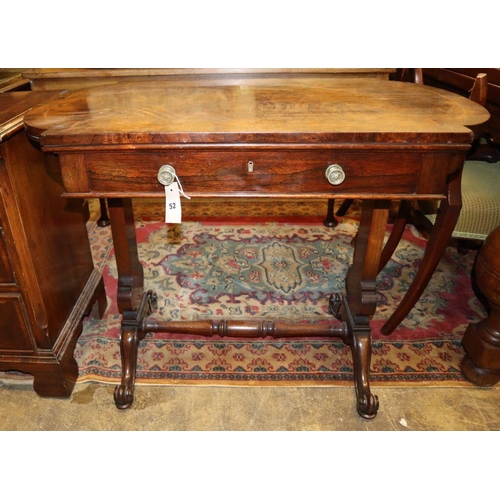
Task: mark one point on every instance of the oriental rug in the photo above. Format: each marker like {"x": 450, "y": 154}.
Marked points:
{"x": 277, "y": 260}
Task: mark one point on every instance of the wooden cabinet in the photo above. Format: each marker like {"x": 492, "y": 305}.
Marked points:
{"x": 47, "y": 278}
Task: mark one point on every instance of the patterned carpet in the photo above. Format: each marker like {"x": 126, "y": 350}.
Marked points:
{"x": 276, "y": 260}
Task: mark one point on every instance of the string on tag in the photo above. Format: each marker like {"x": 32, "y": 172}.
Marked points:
{"x": 173, "y": 208}
{"x": 181, "y": 190}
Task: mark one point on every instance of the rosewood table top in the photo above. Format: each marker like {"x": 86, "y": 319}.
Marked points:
{"x": 346, "y": 110}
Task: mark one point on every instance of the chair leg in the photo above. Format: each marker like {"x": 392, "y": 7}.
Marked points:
{"x": 346, "y": 204}
{"x": 104, "y": 219}
{"x": 396, "y": 234}
{"x": 449, "y": 211}
{"x": 330, "y": 220}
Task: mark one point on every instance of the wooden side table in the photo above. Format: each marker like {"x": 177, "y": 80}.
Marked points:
{"x": 367, "y": 139}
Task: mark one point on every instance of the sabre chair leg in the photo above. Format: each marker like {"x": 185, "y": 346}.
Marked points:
{"x": 396, "y": 234}
{"x": 442, "y": 230}
{"x": 346, "y": 204}
{"x": 104, "y": 217}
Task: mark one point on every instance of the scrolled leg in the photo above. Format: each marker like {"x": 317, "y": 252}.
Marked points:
{"x": 132, "y": 333}
{"x": 124, "y": 393}
{"x": 367, "y": 403}
{"x": 358, "y": 337}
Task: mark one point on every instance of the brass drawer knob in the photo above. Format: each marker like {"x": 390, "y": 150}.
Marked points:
{"x": 166, "y": 175}
{"x": 335, "y": 174}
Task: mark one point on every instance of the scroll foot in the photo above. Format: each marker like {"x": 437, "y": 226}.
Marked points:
{"x": 124, "y": 396}
{"x": 367, "y": 406}
{"x": 132, "y": 333}
{"x": 367, "y": 403}
{"x": 359, "y": 338}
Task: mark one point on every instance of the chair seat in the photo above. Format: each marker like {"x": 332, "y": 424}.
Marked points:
{"x": 480, "y": 201}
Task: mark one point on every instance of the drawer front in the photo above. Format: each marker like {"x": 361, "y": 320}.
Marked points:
{"x": 14, "y": 327}
{"x": 224, "y": 173}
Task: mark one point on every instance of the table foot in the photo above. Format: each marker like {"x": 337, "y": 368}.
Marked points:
{"x": 132, "y": 333}
{"x": 359, "y": 338}
{"x": 367, "y": 406}
{"x": 367, "y": 403}
{"x": 124, "y": 396}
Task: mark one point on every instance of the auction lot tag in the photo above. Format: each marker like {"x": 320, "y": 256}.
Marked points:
{"x": 173, "y": 210}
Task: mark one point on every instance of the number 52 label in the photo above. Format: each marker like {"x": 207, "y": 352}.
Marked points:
{"x": 173, "y": 209}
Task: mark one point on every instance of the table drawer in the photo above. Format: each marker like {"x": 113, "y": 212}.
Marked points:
{"x": 225, "y": 173}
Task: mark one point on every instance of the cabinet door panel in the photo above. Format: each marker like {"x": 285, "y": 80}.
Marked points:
{"x": 14, "y": 329}
{"x": 6, "y": 275}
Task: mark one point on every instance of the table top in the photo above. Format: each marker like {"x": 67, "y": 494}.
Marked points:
{"x": 13, "y": 106}
{"x": 134, "y": 114}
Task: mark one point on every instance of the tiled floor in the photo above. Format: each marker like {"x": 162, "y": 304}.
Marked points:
{"x": 91, "y": 407}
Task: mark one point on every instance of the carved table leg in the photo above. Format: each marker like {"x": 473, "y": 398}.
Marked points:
{"x": 359, "y": 338}
{"x": 130, "y": 272}
{"x": 481, "y": 364}
{"x": 442, "y": 230}
{"x": 361, "y": 300}
{"x": 133, "y": 305}
{"x": 367, "y": 403}
{"x": 132, "y": 333}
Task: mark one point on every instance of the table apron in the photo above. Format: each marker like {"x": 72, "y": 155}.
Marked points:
{"x": 255, "y": 172}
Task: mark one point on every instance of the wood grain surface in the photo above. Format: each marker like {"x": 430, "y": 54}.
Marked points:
{"x": 347, "y": 110}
